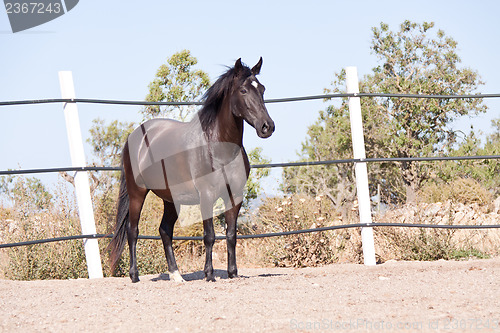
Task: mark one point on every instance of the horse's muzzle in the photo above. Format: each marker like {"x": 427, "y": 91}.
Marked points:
{"x": 266, "y": 129}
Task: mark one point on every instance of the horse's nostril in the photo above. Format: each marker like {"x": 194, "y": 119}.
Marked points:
{"x": 265, "y": 127}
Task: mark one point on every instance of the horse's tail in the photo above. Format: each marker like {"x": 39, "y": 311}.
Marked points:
{"x": 122, "y": 220}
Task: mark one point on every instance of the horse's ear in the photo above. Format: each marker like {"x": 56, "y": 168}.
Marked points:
{"x": 256, "y": 68}
{"x": 238, "y": 66}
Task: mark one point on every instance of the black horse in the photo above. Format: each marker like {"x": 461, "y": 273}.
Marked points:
{"x": 196, "y": 162}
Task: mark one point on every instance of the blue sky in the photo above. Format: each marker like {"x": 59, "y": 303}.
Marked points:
{"x": 114, "y": 47}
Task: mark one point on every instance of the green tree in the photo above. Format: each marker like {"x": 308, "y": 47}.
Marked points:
{"x": 415, "y": 59}
{"x": 486, "y": 172}
{"x": 253, "y": 187}
{"x": 107, "y": 141}
{"x": 176, "y": 81}
{"x": 329, "y": 138}
{"x": 28, "y": 194}
{"x": 417, "y": 62}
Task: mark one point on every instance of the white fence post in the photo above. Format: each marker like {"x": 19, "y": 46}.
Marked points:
{"x": 82, "y": 187}
{"x": 358, "y": 146}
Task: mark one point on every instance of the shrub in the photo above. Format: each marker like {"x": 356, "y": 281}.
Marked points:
{"x": 58, "y": 260}
{"x": 424, "y": 244}
{"x": 45, "y": 219}
{"x": 462, "y": 190}
{"x": 313, "y": 249}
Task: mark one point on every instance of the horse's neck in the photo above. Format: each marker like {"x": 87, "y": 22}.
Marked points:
{"x": 228, "y": 128}
{"x": 225, "y": 139}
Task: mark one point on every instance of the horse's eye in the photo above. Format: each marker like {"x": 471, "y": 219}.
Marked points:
{"x": 243, "y": 91}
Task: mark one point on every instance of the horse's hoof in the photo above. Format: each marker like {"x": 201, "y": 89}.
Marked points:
{"x": 134, "y": 278}
{"x": 176, "y": 276}
{"x": 209, "y": 275}
{"x": 233, "y": 274}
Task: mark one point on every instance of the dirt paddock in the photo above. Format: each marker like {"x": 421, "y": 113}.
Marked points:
{"x": 442, "y": 296}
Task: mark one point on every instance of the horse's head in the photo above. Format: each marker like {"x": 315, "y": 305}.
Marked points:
{"x": 247, "y": 99}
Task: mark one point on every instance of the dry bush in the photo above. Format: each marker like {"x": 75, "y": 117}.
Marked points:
{"x": 433, "y": 244}
{"x": 58, "y": 260}
{"x": 313, "y": 249}
{"x": 66, "y": 259}
{"x": 460, "y": 190}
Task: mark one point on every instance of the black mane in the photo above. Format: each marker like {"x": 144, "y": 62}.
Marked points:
{"x": 216, "y": 93}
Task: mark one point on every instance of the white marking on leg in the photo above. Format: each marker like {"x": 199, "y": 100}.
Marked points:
{"x": 176, "y": 276}
{"x": 255, "y": 84}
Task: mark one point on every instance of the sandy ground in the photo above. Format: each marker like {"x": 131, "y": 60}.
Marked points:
{"x": 396, "y": 296}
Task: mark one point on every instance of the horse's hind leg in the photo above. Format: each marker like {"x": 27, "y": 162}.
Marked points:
{"x": 167, "y": 231}
{"x": 135, "y": 208}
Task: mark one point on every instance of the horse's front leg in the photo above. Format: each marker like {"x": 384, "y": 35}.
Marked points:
{"x": 231, "y": 216}
{"x": 206, "y": 206}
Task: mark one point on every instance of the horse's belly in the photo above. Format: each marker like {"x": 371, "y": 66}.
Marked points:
{"x": 185, "y": 196}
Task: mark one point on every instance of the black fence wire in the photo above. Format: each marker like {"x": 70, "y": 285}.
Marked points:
{"x": 266, "y": 235}
{"x": 268, "y": 165}
{"x": 272, "y": 165}
{"x": 268, "y": 101}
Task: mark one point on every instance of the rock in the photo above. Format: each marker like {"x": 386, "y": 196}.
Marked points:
{"x": 496, "y": 206}
{"x": 432, "y": 209}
